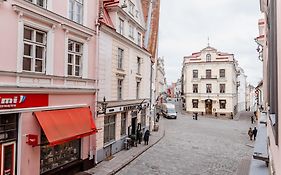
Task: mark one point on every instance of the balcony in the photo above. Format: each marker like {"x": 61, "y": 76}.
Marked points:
{"x": 209, "y": 77}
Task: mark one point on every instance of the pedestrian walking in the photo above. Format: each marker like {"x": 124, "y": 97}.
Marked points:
{"x": 146, "y": 137}
{"x": 252, "y": 119}
{"x": 255, "y": 131}
{"x": 139, "y": 136}
{"x": 250, "y": 133}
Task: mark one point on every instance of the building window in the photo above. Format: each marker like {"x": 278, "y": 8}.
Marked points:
{"x": 123, "y": 123}
{"x": 195, "y": 88}
{"x": 139, "y": 39}
{"x": 74, "y": 63}
{"x": 131, "y": 31}
{"x": 138, "y": 90}
{"x": 121, "y": 26}
{"x": 109, "y": 128}
{"x": 222, "y": 73}
{"x": 143, "y": 117}
{"x": 120, "y": 58}
{"x": 35, "y": 46}
{"x": 222, "y": 104}
{"x": 195, "y": 73}
{"x": 52, "y": 157}
{"x": 208, "y": 88}
{"x": 208, "y": 57}
{"x": 131, "y": 8}
{"x": 208, "y": 73}
{"x": 138, "y": 65}
{"x": 222, "y": 88}
{"x": 76, "y": 11}
{"x": 8, "y": 128}
{"x": 119, "y": 89}
{"x": 195, "y": 103}
{"x": 41, "y": 3}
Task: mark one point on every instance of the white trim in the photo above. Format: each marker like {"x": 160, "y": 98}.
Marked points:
{"x": 19, "y": 143}
{"x": 85, "y": 13}
{"x": 45, "y": 108}
{"x": 49, "y": 58}
{"x": 2, "y": 154}
{"x": 45, "y": 28}
{"x": 20, "y": 43}
{"x": 65, "y": 52}
{"x": 50, "y": 5}
{"x": 85, "y": 60}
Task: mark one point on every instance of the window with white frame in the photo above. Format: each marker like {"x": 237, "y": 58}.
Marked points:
{"x": 74, "y": 63}
{"x": 76, "y": 11}
{"x": 120, "y": 58}
{"x": 222, "y": 104}
{"x": 121, "y": 26}
{"x": 109, "y": 128}
{"x": 208, "y": 88}
{"x": 194, "y": 103}
{"x": 195, "y": 88}
{"x": 131, "y": 31}
{"x": 41, "y": 3}
{"x": 35, "y": 46}
{"x": 222, "y": 88}
{"x": 222, "y": 73}
{"x": 131, "y": 8}
{"x": 119, "y": 89}
{"x": 195, "y": 73}
{"x": 138, "y": 90}
{"x": 123, "y": 123}
{"x": 139, "y": 39}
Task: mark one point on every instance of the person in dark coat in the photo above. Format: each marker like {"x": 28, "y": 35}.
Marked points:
{"x": 146, "y": 137}
{"x": 139, "y": 135}
{"x": 255, "y": 131}
{"x": 252, "y": 119}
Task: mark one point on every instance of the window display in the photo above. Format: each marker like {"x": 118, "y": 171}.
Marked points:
{"x": 55, "y": 156}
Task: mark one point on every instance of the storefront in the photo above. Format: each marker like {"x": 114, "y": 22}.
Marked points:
{"x": 46, "y": 133}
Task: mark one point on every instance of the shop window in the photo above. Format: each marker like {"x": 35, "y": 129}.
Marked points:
{"x": 195, "y": 88}
{"x": 52, "y": 157}
{"x": 109, "y": 128}
{"x": 208, "y": 88}
{"x": 222, "y": 73}
{"x": 123, "y": 123}
{"x": 195, "y": 73}
{"x": 35, "y": 46}
{"x": 222, "y": 88}
{"x": 74, "y": 63}
{"x": 195, "y": 103}
{"x": 222, "y": 104}
{"x": 8, "y": 127}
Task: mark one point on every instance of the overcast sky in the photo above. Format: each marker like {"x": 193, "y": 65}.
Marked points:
{"x": 231, "y": 25}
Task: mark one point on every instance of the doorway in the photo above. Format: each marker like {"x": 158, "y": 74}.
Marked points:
{"x": 208, "y": 106}
{"x": 8, "y": 158}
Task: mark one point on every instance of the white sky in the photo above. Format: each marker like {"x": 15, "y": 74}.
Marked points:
{"x": 231, "y": 25}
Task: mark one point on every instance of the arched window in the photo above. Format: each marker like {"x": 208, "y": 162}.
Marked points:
{"x": 208, "y": 57}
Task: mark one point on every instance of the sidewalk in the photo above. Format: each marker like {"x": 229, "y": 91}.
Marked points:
{"x": 124, "y": 157}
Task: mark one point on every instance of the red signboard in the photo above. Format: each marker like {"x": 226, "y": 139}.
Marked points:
{"x": 10, "y": 101}
{"x": 32, "y": 139}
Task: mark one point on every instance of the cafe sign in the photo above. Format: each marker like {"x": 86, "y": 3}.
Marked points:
{"x": 10, "y": 101}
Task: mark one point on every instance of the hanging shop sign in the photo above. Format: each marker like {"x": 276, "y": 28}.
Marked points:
{"x": 10, "y": 101}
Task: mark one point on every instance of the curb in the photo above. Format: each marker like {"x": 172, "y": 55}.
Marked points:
{"x": 136, "y": 156}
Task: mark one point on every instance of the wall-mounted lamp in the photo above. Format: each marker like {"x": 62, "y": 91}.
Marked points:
{"x": 259, "y": 50}
{"x": 103, "y": 106}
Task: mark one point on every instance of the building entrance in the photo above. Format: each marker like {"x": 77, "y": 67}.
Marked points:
{"x": 208, "y": 106}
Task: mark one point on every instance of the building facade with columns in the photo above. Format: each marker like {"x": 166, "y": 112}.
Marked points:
{"x": 48, "y": 80}
{"x": 210, "y": 83}
{"x": 124, "y": 76}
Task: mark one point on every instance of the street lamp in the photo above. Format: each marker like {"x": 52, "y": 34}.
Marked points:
{"x": 103, "y": 106}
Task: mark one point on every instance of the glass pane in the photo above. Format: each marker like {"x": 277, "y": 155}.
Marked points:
{"x": 70, "y": 46}
{"x": 39, "y": 52}
{"x": 78, "y": 48}
{"x": 38, "y": 65}
{"x": 77, "y": 71}
{"x": 8, "y": 157}
{"x": 70, "y": 58}
{"x": 26, "y": 64}
{"x": 39, "y": 37}
{"x": 69, "y": 70}
{"x": 40, "y": 3}
{"x": 77, "y": 60}
{"x": 27, "y": 34}
{"x": 27, "y": 50}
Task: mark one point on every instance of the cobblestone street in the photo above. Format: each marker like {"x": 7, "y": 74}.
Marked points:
{"x": 207, "y": 146}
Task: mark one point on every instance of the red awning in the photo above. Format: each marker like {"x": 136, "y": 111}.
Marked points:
{"x": 65, "y": 125}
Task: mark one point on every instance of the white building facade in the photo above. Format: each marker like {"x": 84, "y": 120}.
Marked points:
{"x": 210, "y": 83}
{"x": 124, "y": 76}
{"x": 241, "y": 82}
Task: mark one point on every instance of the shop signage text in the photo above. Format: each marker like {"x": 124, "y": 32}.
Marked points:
{"x": 8, "y": 101}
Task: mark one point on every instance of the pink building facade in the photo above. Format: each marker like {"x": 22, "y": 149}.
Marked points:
{"x": 48, "y": 76}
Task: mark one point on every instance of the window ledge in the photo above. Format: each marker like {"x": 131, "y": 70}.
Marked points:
{"x": 109, "y": 143}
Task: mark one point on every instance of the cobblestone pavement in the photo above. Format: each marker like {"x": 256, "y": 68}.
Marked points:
{"x": 206, "y": 146}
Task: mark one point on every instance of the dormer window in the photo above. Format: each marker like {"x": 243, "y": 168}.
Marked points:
{"x": 208, "y": 57}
